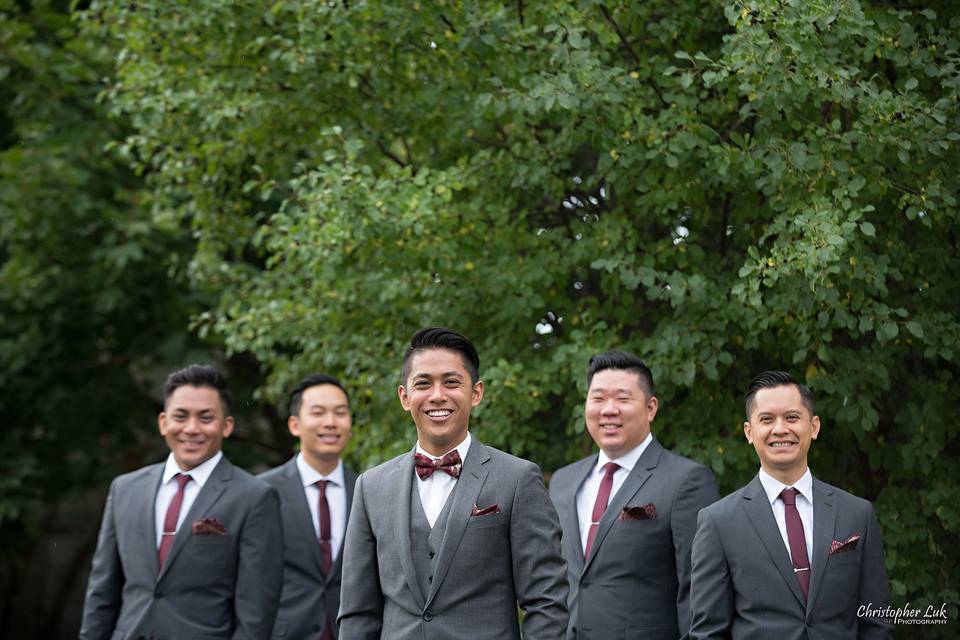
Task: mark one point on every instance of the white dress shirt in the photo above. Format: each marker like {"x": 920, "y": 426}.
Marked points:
{"x": 435, "y": 490}
{"x": 336, "y": 493}
{"x": 587, "y": 495}
{"x": 773, "y": 487}
{"x": 168, "y": 489}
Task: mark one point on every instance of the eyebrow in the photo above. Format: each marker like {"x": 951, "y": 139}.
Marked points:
{"x": 448, "y": 374}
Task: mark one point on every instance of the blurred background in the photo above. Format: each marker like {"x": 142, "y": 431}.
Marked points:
{"x": 284, "y": 187}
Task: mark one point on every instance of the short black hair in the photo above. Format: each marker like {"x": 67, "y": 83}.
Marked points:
{"x": 312, "y": 380}
{"x": 771, "y": 379}
{"x": 199, "y": 375}
{"x": 621, "y": 360}
{"x": 442, "y": 338}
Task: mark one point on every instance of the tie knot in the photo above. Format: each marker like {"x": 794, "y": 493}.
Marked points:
{"x": 182, "y": 480}
{"x": 322, "y": 485}
{"x": 789, "y": 496}
{"x": 610, "y": 468}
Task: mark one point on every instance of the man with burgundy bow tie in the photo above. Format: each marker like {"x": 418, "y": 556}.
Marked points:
{"x": 315, "y": 492}
{"x": 628, "y": 513}
{"x": 787, "y": 556}
{"x": 189, "y": 548}
{"x": 447, "y": 541}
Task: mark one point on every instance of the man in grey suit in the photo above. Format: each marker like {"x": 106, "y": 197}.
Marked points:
{"x": 446, "y": 541}
{"x": 628, "y": 513}
{"x": 787, "y": 556}
{"x": 188, "y": 548}
{"x": 315, "y": 493}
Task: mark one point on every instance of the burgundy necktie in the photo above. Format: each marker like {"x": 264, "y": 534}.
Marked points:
{"x": 450, "y": 464}
{"x": 170, "y": 520}
{"x": 798, "y": 544}
{"x": 326, "y": 549}
{"x": 603, "y": 497}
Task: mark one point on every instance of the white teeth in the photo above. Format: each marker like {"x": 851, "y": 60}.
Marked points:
{"x": 781, "y": 444}
{"x": 439, "y": 413}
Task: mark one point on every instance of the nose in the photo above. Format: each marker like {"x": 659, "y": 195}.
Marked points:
{"x": 780, "y": 427}
{"x": 192, "y": 426}
{"x": 436, "y": 393}
{"x": 609, "y": 408}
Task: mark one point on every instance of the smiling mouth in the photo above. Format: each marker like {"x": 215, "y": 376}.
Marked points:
{"x": 782, "y": 445}
{"x": 439, "y": 414}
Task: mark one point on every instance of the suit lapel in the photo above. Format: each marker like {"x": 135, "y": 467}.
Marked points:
{"x": 403, "y": 480}
{"x": 145, "y": 516}
{"x": 641, "y": 471}
{"x": 824, "y": 522}
{"x": 215, "y": 485}
{"x": 761, "y": 517}
{"x": 464, "y": 497}
{"x": 293, "y": 485}
{"x": 570, "y": 515}
{"x": 349, "y": 479}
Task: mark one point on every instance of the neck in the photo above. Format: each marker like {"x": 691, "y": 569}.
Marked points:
{"x": 438, "y": 448}
{"x": 323, "y": 466}
{"x": 788, "y": 477}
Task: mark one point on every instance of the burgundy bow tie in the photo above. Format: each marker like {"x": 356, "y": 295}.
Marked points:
{"x": 449, "y": 464}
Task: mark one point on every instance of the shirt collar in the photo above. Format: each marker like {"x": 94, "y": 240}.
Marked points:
{"x": 461, "y": 448}
{"x": 309, "y": 475}
{"x": 198, "y": 474}
{"x": 773, "y": 487}
{"x": 629, "y": 460}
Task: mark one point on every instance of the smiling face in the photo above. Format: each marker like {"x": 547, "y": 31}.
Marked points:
{"x": 439, "y": 394}
{"x": 194, "y": 425}
{"x": 323, "y": 426}
{"x": 781, "y": 430}
{"x": 618, "y": 412}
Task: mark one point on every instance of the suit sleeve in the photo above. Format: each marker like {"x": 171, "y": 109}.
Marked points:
{"x": 102, "y": 604}
{"x": 259, "y": 568}
{"x": 361, "y": 600}
{"x": 697, "y": 491}
{"x": 539, "y": 571}
{"x": 711, "y": 589}
{"x": 874, "y": 589}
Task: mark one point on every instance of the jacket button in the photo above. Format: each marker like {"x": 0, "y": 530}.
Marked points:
{"x": 428, "y": 616}
{"x": 431, "y": 555}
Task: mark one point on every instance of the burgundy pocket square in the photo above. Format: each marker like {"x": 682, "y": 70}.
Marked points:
{"x": 843, "y": 546}
{"x": 645, "y": 512}
{"x": 477, "y": 511}
{"x": 208, "y": 527}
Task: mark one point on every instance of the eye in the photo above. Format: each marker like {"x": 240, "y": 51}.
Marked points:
{"x": 452, "y": 382}
{"x": 421, "y": 384}
{"x": 342, "y": 413}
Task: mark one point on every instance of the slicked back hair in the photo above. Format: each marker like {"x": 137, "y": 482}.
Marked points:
{"x": 199, "y": 375}
{"x": 313, "y": 380}
{"x": 625, "y": 361}
{"x": 442, "y": 338}
{"x": 771, "y": 379}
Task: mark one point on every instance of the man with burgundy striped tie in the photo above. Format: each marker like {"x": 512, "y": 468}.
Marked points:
{"x": 787, "y": 556}
{"x": 189, "y": 548}
{"x": 316, "y": 489}
{"x": 628, "y": 513}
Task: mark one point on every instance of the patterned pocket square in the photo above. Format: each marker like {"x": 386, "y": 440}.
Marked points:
{"x": 477, "y": 511}
{"x": 843, "y": 546}
{"x": 209, "y": 527}
{"x": 646, "y": 512}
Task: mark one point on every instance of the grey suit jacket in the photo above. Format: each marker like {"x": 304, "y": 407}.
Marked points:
{"x": 310, "y": 597}
{"x": 212, "y": 586}
{"x": 487, "y": 565}
{"x": 636, "y": 581}
{"x": 743, "y": 580}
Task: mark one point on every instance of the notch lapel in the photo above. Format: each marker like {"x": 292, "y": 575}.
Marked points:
{"x": 570, "y": 515}
{"x": 824, "y": 523}
{"x": 761, "y": 516}
{"x": 145, "y": 516}
{"x": 293, "y": 485}
{"x": 472, "y": 477}
{"x": 403, "y": 479}
{"x": 216, "y": 484}
{"x": 640, "y": 473}
{"x": 349, "y": 479}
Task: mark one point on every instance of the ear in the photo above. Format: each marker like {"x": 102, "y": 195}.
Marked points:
{"x": 652, "y": 405}
{"x": 227, "y": 426}
{"x": 404, "y": 399}
{"x": 748, "y": 432}
{"x": 477, "y": 393}
{"x": 816, "y": 427}
{"x": 293, "y": 424}
{"x": 162, "y": 423}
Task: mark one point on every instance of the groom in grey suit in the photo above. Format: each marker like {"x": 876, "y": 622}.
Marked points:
{"x": 190, "y": 548}
{"x": 446, "y": 541}
{"x": 628, "y": 513}
{"x": 787, "y": 556}
{"x": 314, "y": 520}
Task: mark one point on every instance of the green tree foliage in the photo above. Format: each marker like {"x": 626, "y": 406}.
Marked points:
{"x": 720, "y": 187}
